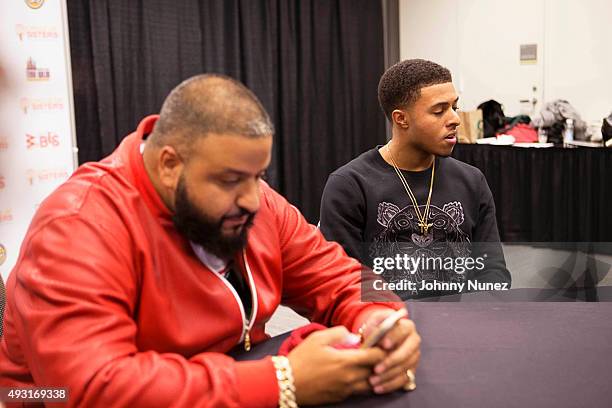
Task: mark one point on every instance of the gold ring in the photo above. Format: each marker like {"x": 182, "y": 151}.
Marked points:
{"x": 411, "y": 384}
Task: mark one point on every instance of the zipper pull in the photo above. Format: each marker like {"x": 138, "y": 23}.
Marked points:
{"x": 247, "y": 342}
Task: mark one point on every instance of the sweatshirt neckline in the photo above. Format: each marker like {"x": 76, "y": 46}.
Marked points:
{"x": 381, "y": 163}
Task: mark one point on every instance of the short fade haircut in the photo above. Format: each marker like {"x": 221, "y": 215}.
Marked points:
{"x": 401, "y": 84}
{"x": 209, "y": 103}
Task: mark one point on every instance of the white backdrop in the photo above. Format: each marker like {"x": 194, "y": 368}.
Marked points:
{"x": 479, "y": 41}
{"x": 37, "y": 148}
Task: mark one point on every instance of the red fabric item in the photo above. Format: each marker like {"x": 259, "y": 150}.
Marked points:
{"x": 110, "y": 301}
{"x": 300, "y": 334}
{"x": 523, "y": 133}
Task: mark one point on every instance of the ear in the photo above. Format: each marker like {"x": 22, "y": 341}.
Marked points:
{"x": 170, "y": 167}
{"x": 400, "y": 118}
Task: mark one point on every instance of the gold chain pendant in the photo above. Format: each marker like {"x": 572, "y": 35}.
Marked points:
{"x": 422, "y": 218}
{"x": 424, "y": 227}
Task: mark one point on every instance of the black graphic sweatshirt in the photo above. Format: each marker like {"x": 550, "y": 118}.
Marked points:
{"x": 366, "y": 209}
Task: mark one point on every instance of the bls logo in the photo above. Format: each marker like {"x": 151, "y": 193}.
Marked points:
{"x": 2, "y": 183}
{"x": 42, "y": 141}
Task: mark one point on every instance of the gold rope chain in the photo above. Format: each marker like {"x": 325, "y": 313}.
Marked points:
{"x": 421, "y": 217}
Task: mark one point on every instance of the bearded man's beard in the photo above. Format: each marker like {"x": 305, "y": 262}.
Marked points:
{"x": 205, "y": 231}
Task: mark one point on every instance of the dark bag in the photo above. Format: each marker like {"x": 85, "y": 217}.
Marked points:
{"x": 493, "y": 117}
{"x": 606, "y": 129}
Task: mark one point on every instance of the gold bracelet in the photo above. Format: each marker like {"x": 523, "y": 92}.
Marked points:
{"x": 286, "y": 386}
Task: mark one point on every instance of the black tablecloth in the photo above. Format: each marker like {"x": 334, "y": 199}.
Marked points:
{"x": 547, "y": 194}
{"x": 504, "y": 354}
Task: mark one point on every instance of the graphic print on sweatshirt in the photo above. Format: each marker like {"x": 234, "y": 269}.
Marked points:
{"x": 401, "y": 235}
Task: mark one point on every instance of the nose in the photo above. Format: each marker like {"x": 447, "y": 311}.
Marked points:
{"x": 248, "y": 198}
{"x": 455, "y": 120}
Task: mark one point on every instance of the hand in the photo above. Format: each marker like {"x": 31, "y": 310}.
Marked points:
{"x": 402, "y": 345}
{"x": 323, "y": 374}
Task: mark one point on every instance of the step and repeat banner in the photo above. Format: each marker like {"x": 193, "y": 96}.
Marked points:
{"x": 37, "y": 139}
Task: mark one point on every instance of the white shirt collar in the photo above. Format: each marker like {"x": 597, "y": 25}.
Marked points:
{"x": 211, "y": 261}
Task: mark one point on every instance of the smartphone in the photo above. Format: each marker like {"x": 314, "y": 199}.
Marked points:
{"x": 383, "y": 328}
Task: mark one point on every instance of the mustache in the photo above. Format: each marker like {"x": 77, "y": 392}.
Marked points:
{"x": 242, "y": 213}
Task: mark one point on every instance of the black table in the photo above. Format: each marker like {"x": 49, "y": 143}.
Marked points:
{"x": 485, "y": 353}
{"x": 548, "y": 194}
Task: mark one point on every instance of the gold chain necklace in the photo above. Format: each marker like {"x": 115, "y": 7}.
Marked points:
{"x": 421, "y": 217}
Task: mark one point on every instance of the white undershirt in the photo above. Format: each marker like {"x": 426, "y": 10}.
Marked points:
{"x": 212, "y": 262}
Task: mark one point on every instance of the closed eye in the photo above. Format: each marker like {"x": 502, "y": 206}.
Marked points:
{"x": 230, "y": 182}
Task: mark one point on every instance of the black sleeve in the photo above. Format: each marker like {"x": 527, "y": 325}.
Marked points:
{"x": 486, "y": 240}
{"x": 343, "y": 214}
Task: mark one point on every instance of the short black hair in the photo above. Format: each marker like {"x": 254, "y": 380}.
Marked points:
{"x": 209, "y": 103}
{"x": 401, "y": 84}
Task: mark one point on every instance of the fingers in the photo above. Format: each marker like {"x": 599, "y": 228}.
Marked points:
{"x": 385, "y": 381}
{"x": 368, "y": 357}
{"x": 402, "y": 354}
{"x": 357, "y": 380}
{"x": 362, "y": 387}
{"x": 374, "y": 319}
{"x": 398, "y": 381}
{"x": 398, "y": 334}
{"x": 328, "y": 337}
{"x": 391, "y": 375}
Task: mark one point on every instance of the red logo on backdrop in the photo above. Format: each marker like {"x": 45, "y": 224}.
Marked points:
{"x": 36, "y": 32}
{"x": 31, "y": 176}
{"x": 34, "y": 4}
{"x": 3, "y": 143}
{"x": 40, "y": 104}
{"x": 24, "y": 104}
{"x": 2, "y": 182}
{"x": 46, "y": 175}
{"x": 20, "y": 29}
{"x": 43, "y": 141}
{"x": 35, "y": 73}
{"x": 6, "y": 215}
{"x": 2, "y": 254}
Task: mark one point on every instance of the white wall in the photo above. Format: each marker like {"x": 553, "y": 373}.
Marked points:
{"x": 479, "y": 41}
{"x": 578, "y": 55}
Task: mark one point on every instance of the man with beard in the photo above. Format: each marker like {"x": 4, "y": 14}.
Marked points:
{"x": 140, "y": 272}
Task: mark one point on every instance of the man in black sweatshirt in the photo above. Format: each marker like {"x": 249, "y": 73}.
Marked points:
{"x": 419, "y": 218}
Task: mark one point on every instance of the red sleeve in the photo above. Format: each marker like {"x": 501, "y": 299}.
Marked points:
{"x": 73, "y": 313}
{"x": 319, "y": 280}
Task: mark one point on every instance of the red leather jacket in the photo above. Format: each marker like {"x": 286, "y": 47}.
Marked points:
{"x": 108, "y": 300}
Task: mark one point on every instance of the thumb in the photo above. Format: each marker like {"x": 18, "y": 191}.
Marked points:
{"x": 328, "y": 337}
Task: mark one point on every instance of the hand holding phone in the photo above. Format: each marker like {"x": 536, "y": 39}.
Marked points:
{"x": 383, "y": 328}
